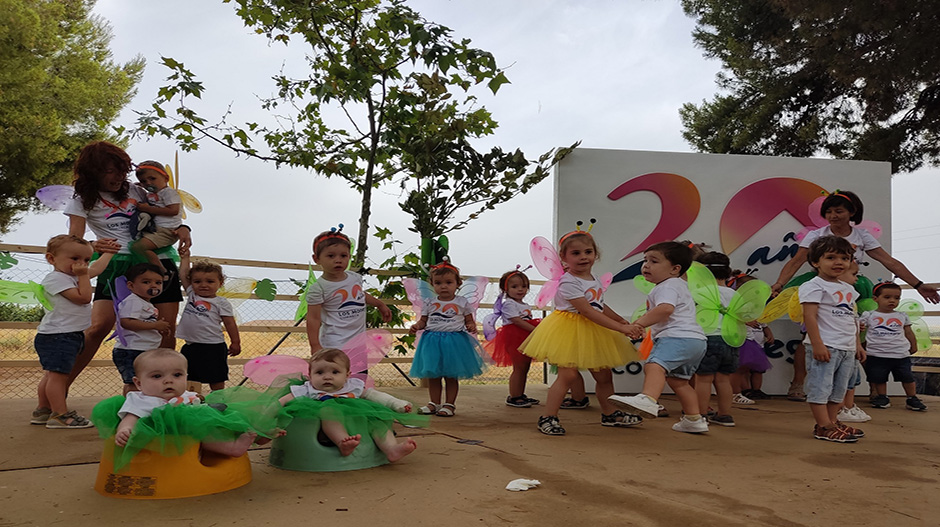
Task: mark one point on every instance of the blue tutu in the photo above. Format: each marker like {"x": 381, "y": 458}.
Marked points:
{"x": 453, "y": 354}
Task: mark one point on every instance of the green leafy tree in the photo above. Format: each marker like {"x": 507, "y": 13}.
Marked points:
{"x": 59, "y": 89}
{"x": 854, "y": 80}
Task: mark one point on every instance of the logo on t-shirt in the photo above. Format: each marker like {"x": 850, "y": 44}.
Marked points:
{"x": 446, "y": 311}
{"x": 843, "y": 303}
{"x": 882, "y": 326}
{"x": 351, "y": 298}
{"x": 595, "y": 298}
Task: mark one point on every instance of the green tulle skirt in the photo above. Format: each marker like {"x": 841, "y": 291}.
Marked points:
{"x": 171, "y": 430}
{"x": 359, "y": 416}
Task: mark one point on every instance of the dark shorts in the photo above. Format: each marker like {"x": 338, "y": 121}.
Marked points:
{"x": 719, "y": 357}
{"x": 124, "y": 360}
{"x": 172, "y": 290}
{"x": 57, "y": 351}
{"x": 207, "y": 362}
{"x": 878, "y": 368}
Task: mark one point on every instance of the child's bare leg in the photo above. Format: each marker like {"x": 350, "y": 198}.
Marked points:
{"x": 703, "y": 390}
{"x": 654, "y": 380}
{"x": 849, "y": 400}
{"x": 604, "y": 388}
{"x": 832, "y": 409}
{"x": 390, "y": 446}
{"x": 216, "y": 386}
{"x": 821, "y": 414}
{"x": 146, "y": 247}
{"x": 880, "y": 388}
{"x": 56, "y": 386}
{"x": 910, "y": 388}
{"x": 723, "y": 393}
{"x": 41, "y": 391}
{"x": 235, "y": 448}
{"x": 739, "y": 380}
{"x": 685, "y": 393}
{"x": 799, "y": 366}
{"x": 435, "y": 387}
{"x": 558, "y": 390}
{"x": 451, "y": 389}
{"x": 337, "y": 433}
{"x": 578, "y": 393}
{"x": 519, "y": 375}
{"x": 757, "y": 380}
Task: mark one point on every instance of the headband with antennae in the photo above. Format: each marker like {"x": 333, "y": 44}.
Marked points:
{"x": 333, "y": 233}
{"x": 518, "y": 271}
{"x": 579, "y": 231}
{"x": 445, "y": 264}
{"x": 874, "y": 290}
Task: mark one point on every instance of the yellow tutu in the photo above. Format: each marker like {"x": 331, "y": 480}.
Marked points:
{"x": 570, "y": 340}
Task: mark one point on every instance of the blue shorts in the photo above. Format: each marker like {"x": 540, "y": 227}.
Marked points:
{"x": 57, "y": 351}
{"x": 878, "y": 368}
{"x": 719, "y": 357}
{"x": 856, "y": 379}
{"x": 124, "y": 360}
{"x": 827, "y": 382}
{"x": 679, "y": 357}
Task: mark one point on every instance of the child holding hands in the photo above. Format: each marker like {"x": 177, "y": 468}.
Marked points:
{"x": 832, "y": 340}
{"x": 678, "y": 340}
{"x": 60, "y": 337}
{"x": 201, "y": 323}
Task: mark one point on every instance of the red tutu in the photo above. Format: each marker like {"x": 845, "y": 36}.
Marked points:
{"x": 505, "y": 345}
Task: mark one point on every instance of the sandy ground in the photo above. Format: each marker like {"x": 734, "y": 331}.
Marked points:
{"x": 766, "y": 471}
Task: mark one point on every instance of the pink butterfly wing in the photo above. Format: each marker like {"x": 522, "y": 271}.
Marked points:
{"x": 545, "y": 258}
{"x": 263, "y": 370}
{"x": 606, "y": 279}
{"x": 873, "y": 227}
{"x": 368, "y": 349}
{"x": 417, "y": 293}
{"x": 815, "y": 213}
{"x": 546, "y": 294}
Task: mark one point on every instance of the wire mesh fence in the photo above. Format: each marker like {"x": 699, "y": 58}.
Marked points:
{"x": 264, "y": 326}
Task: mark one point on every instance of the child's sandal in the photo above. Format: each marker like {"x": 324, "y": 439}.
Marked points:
{"x": 429, "y": 409}
{"x": 447, "y": 410}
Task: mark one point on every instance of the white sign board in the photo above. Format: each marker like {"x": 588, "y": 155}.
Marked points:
{"x": 748, "y": 207}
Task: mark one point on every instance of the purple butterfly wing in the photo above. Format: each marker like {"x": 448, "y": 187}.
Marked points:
{"x": 56, "y": 197}
{"x": 119, "y": 293}
{"x": 489, "y": 323}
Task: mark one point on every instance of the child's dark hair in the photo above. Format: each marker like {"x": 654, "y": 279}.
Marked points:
{"x": 205, "y": 266}
{"x": 582, "y": 236}
{"x": 676, "y": 253}
{"x": 94, "y": 159}
{"x": 443, "y": 269}
{"x": 154, "y": 166}
{"x": 698, "y": 249}
{"x": 844, "y": 198}
{"x": 331, "y": 355}
{"x": 328, "y": 239}
{"x": 136, "y": 270}
{"x": 881, "y": 287}
{"x": 718, "y": 263}
{"x": 828, "y": 244}
{"x": 504, "y": 280}
{"x": 739, "y": 278}
{"x": 56, "y": 242}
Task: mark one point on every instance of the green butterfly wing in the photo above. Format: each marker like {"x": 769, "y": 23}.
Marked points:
{"x": 642, "y": 284}
{"x": 746, "y": 305}
{"x": 28, "y": 293}
{"x": 704, "y": 289}
{"x": 912, "y": 308}
{"x": 301, "y": 312}
{"x": 921, "y": 334}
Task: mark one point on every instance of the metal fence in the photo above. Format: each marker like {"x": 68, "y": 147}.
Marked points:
{"x": 263, "y": 326}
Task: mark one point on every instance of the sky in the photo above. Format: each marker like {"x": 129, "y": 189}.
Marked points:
{"x": 610, "y": 74}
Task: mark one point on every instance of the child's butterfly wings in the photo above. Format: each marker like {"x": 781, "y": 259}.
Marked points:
{"x": 264, "y": 370}
{"x": 707, "y": 298}
{"x": 606, "y": 279}
{"x": 418, "y": 292}
{"x": 365, "y": 350}
{"x": 489, "y": 322}
{"x": 118, "y": 294}
{"x": 746, "y": 305}
{"x": 301, "y": 312}
{"x": 237, "y": 290}
{"x": 777, "y": 307}
{"x": 56, "y": 197}
{"x": 187, "y": 200}
{"x": 473, "y": 289}
{"x": 28, "y": 293}
{"x": 915, "y": 311}
{"x": 642, "y": 284}
{"x": 912, "y": 308}
{"x": 545, "y": 259}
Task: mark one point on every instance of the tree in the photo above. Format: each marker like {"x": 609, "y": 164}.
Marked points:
{"x": 355, "y": 114}
{"x": 59, "y": 89}
{"x": 854, "y": 80}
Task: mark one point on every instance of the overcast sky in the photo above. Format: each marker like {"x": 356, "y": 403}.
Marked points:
{"x": 610, "y": 74}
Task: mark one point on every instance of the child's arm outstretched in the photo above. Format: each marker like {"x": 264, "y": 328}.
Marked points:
{"x": 383, "y": 309}
{"x": 399, "y": 405}
{"x": 134, "y": 324}
{"x": 613, "y": 315}
{"x": 124, "y": 429}
{"x": 522, "y": 323}
{"x": 595, "y": 316}
{"x": 231, "y": 327}
{"x": 184, "y": 266}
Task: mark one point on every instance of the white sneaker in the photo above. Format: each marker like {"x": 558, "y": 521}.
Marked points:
{"x": 644, "y": 404}
{"x": 860, "y": 414}
{"x": 741, "y": 399}
{"x": 851, "y": 415}
{"x": 691, "y": 427}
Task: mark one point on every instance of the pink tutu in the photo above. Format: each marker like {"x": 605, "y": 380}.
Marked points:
{"x": 751, "y": 356}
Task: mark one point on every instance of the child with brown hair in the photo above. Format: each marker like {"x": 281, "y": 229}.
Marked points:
{"x": 158, "y": 202}
{"x": 517, "y": 325}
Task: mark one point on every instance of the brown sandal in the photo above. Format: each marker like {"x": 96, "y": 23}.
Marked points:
{"x": 834, "y": 434}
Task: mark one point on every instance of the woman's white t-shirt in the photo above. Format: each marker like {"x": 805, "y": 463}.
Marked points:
{"x": 108, "y": 218}
{"x": 862, "y": 241}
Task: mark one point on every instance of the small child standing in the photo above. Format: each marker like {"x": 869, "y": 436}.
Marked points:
{"x": 139, "y": 320}
{"x": 336, "y": 303}
{"x": 448, "y": 349}
{"x": 161, "y": 203}
{"x": 678, "y": 340}
{"x": 720, "y": 360}
{"x": 517, "y": 325}
{"x": 60, "y": 337}
{"x": 335, "y": 398}
{"x": 849, "y": 412}
{"x": 832, "y": 342}
{"x": 202, "y": 320}
{"x": 890, "y": 342}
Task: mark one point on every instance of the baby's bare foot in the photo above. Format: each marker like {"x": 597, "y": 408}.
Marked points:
{"x": 401, "y": 450}
{"x": 347, "y": 445}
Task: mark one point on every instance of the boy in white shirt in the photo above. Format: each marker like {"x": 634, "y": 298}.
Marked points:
{"x": 139, "y": 320}
{"x": 679, "y": 342}
{"x": 832, "y": 342}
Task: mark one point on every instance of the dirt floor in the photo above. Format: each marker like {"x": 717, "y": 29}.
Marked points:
{"x": 766, "y": 471}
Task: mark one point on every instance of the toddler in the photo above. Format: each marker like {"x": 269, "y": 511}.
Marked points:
{"x": 160, "y": 203}
{"x": 139, "y": 320}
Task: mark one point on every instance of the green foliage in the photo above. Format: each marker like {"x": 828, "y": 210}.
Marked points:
{"x": 266, "y": 289}
{"x": 7, "y": 260}
{"x": 18, "y": 313}
{"x": 59, "y": 89}
{"x": 391, "y": 288}
{"x": 854, "y": 80}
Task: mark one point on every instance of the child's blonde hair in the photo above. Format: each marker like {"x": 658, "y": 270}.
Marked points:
{"x": 442, "y": 269}
{"x": 56, "y": 242}
{"x": 142, "y": 360}
{"x": 206, "y": 266}
{"x": 331, "y": 355}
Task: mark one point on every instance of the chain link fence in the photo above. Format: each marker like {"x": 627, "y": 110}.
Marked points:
{"x": 264, "y": 326}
